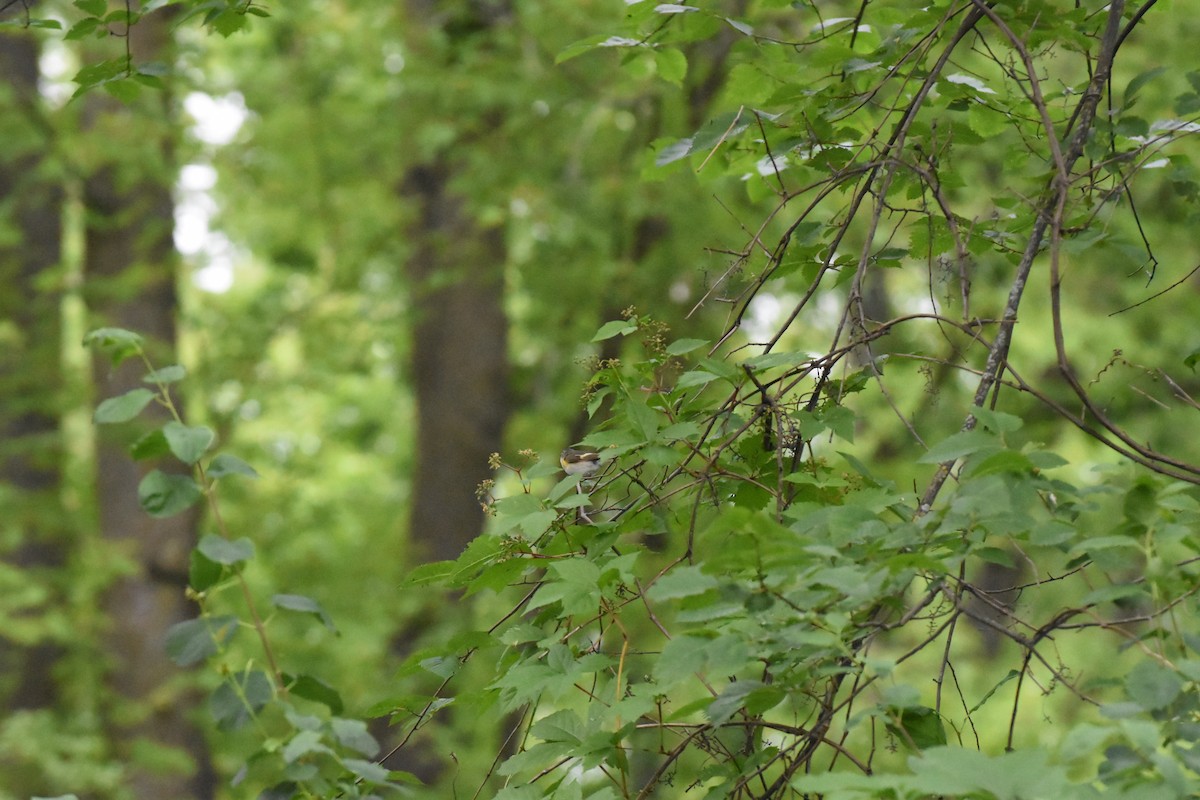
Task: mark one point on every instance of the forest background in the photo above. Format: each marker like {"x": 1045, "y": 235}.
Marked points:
{"x": 882, "y": 316}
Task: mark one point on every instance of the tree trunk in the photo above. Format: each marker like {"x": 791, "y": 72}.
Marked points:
{"x": 30, "y": 378}
{"x": 460, "y": 364}
{"x": 130, "y": 272}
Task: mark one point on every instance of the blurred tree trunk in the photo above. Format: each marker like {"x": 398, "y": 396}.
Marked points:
{"x": 459, "y": 354}
{"x": 129, "y": 264}
{"x": 459, "y": 363}
{"x": 30, "y": 377}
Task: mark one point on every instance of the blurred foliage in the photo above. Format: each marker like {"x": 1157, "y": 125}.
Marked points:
{"x": 811, "y": 217}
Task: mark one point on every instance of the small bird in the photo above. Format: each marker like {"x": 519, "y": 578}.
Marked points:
{"x": 579, "y": 462}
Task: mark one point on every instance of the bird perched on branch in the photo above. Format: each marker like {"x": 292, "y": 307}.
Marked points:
{"x": 579, "y": 462}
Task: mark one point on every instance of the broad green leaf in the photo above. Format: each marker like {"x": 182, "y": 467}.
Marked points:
{"x": 306, "y": 605}
{"x": 164, "y": 495}
{"x": 672, "y": 65}
{"x": 88, "y": 26}
{"x": 123, "y": 407}
{"x": 314, "y": 689}
{"x": 997, "y": 421}
{"x": 305, "y": 743}
{"x": 95, "y": 8}
{"x": 617, "y": 327}
{"x": 1192, "y": 359}
{"x": 582, "y": 46}
{"x": 1137, "y": 82}
{"x": 226, "y": 22}
{"x": 125, "y": 90}
{"x": 1153, "y": 686}
{"x": 1018, "y": 775}
{"x": 99, "y": 73}
{"x": 151, "y": 445}
{"x": 697, "y": 377}
{"x": 225, "y": 464}
{"x": 203, "y": 572}
{"x": 681, "y": 657}
{"x": 367, "y": 770}
{"x": 987, "y": 121}
{"x": 682, "y": 346}
{"x": 681, "y": 582}
{"x": 188, "y": 443}
{"x": 239, "y": 697}
{"x": 194, "y": 640}
{"x": 1002, "y": 461}
{"x": 223, "y": 551}
{"x": 731, "y": 700}
{"x": 674, "y": 151}
{"x": 959, "y": 445}
{"x": 353, "y": 733}
{"x": 920, "y": 727}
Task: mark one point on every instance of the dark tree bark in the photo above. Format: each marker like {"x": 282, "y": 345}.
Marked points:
{"x": 460, "y": 363}
{"x": 130, "y": 273}
{"x": 30, "y": 378}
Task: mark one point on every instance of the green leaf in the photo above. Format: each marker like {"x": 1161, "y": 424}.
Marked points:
{"x": 95, "y": 8}
{"x": 960, "y": 444}
{"x": 987, "y": 122}
{"x": 919, "y": 727}
{"x": 731, "y": 700}
{"x": 226, "y": 22}
{"x": 617, "y": 327}
{"x": 124, "y": 90}
{"x": 223, "y": 551}
{"x": 674, "y": 151}
{"x": 171, "y": 374}
{"x": 84, "y": 28}
{"x": 1012, "y": 776}
{"x": 304, "y": 743}
{"x": 203, "y": 572}
{"x": 188, "y": 443}
{"x": 314, "y": 689}
{"x": 163, "y": 495}
{"x": 194, "y": 640}
{"x": 681, "y": 582}
{"x": 239, "y": 698}
{"x": 1002, "y": 461}
{"x": 225, "y": 464}
{"x": 671, "y": 64}
{"x": 678, "y": 348}
{"x": 99, "y": 73}
{"x": 367, "y": 770}
{"x": 1192, "y": 359}
{"x": 580, "y": 47}
{"x": 697, "y": 377}
{"x": 769, "y": 360}
{"x": 353, "y": 733}
{"x": 306, "y": 605}
{"x": 151, "y": 445}
{"x": 1135, "y": 85}
{"x": 118, "y": 343}
{"x": 123, "y": 407}
{"x": 1153, "y": 686}
{"x": 997, "y": 421}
